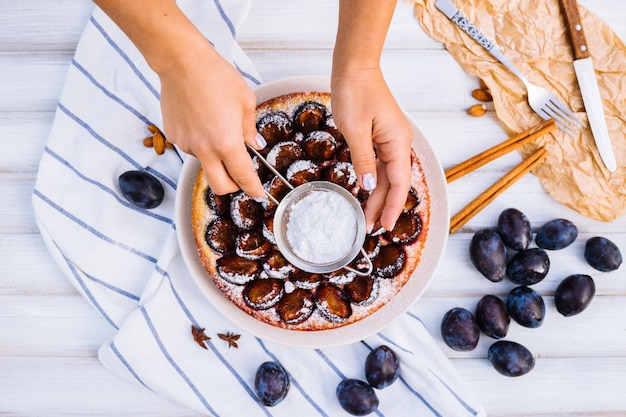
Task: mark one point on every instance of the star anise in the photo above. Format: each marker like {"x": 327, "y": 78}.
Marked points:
{"x": 198, "y": 336}
{"x": 231, "y": 338}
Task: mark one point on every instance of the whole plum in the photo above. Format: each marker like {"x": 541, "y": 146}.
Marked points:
{"x": 357, "y": 397}
{"x": 514, "y": 229}
{"x": 492, "y": 316}
{"x": 574, "y": 294}
{"x": 556, "y": 234}
{"x": 459, "y": 329}
{"x": 271, "y": 383}
{"x": 489, "y": 255}
{"x": 141, "y": 188}
{"x": 510, "y": 358}
{"x": 528, "y": 267}
{"x": 382, "y": 367}
{"x": 602, "y": 254}
{"x": 526, "y": 306}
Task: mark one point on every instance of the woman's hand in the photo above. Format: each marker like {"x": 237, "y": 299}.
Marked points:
{"x": 208, "y": 111}
{"x": 371, "y": 121}
{"x": 366, "y": 112}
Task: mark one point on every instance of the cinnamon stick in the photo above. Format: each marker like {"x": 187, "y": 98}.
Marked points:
{"x": 497, "y": 151}
{"x": 496, "y": 189}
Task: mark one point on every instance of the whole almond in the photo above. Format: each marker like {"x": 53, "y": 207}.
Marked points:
{"x": 147, "y": 142}
{"x": 482, "y": 95}
{"x": 477, "y": 110}
{"x": 158, "y": 141}
{"x": 483, "y": 84}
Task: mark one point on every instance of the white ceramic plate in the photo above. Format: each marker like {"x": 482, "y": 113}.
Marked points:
{"x": 412, "y": 290}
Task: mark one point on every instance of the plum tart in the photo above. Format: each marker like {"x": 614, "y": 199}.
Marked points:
{"x": 234, "y": 233}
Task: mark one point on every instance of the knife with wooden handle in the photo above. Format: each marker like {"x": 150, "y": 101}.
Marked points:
{"x": 588, "y": 83}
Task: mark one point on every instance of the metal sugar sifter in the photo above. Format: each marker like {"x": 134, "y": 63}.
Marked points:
{"x": 282, "y": 217}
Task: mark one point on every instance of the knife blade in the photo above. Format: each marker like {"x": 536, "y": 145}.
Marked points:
{"x": 588, "y": 83}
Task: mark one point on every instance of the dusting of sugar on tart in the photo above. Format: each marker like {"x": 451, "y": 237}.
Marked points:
{"x": 322, "y": 227}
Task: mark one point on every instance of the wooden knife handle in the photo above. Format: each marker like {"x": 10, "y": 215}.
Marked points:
{"x": 574, "y": 25}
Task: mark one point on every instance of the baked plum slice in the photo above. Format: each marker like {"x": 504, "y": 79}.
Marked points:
{"x": 277, "y": 189}
{"x": 219, "y": 204}
{"x": 362, "y": 290}
{"x": 276, "y": 266}
{"x": 252, "y": 244}
{"x": 332, "y": 303}
{"x": 238, "y": 270}
{"x": 341, "y": 173}
{"x": 340, "y": 277}
{"x": 221, "y": 235}
{"x": 275, "y": 127}
{"x": 268, "y": 229}
{"x": 284, "y": 154}
{"x": 407, "y": 228}
{"x": 303, "y": 171}
{"x": 389, "y": 261}
{"x": 310, "y": 116}
{"x": 262, "y": 294}
{"x": 306, "y": 280}
{"x": 296, "y": 306}
{"x": 319, "y": 145}
{"x": 331, "y": 127}
{"x": 246, "y": 213}
{"x": 343, "y": 153}
{"x": 412, "y": 200}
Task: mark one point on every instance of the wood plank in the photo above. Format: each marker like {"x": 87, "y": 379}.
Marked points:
{"x": 28, "y": 269}
{"x": 75, "y": 386}
{"x": 554, "y": 388}
{"x": 24, "y": 134}
{"x": 48, "y": 348}
{"x": 36, "y": 25}
{"x": 33, "y": 81}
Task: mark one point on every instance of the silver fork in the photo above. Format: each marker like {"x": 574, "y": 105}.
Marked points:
{"x": 544, "y": 103}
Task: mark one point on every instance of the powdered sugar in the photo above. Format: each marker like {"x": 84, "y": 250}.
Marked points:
{"x": 322, "y": 227}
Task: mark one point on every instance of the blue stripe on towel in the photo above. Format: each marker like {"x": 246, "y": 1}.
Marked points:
{"x": 112, "y": 287}
{"x": 293, "y": 380}
{"x": 226, "y": 19}
{"x": 127, "y": 365}
{"x": 114, "y": 148}
{"x": 210, "y": 344}
{"x": 330, "y": 363}
{"x": 125, "y": 57}
{"x": 459, "y": 399}
{"x": 247, "y": 75}
{"x": 404, "y": 382}
{"x": 109, "y": 94}
{"x": 106, "y": 189}
{"x": 88, "y": 293}
{"x": 90, "y": 229}
{"x": 167, "y": 356}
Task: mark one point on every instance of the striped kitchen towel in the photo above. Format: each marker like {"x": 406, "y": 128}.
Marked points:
{"x": 127, "y": 264}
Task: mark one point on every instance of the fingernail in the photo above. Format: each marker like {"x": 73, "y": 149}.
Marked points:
{"x": 260, "y": 140}
{"x": 369, "y": 182}
{"x": 260, "y": 199}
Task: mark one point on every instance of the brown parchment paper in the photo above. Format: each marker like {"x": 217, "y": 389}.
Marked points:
{"x": 531, "y": 34}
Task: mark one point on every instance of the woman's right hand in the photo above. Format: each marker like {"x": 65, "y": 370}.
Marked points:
{"x": 208, "y": 109}
{"x": 209, "y": 112}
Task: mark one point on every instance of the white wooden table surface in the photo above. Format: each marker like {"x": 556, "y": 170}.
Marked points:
{"x": 49, "y": 335}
